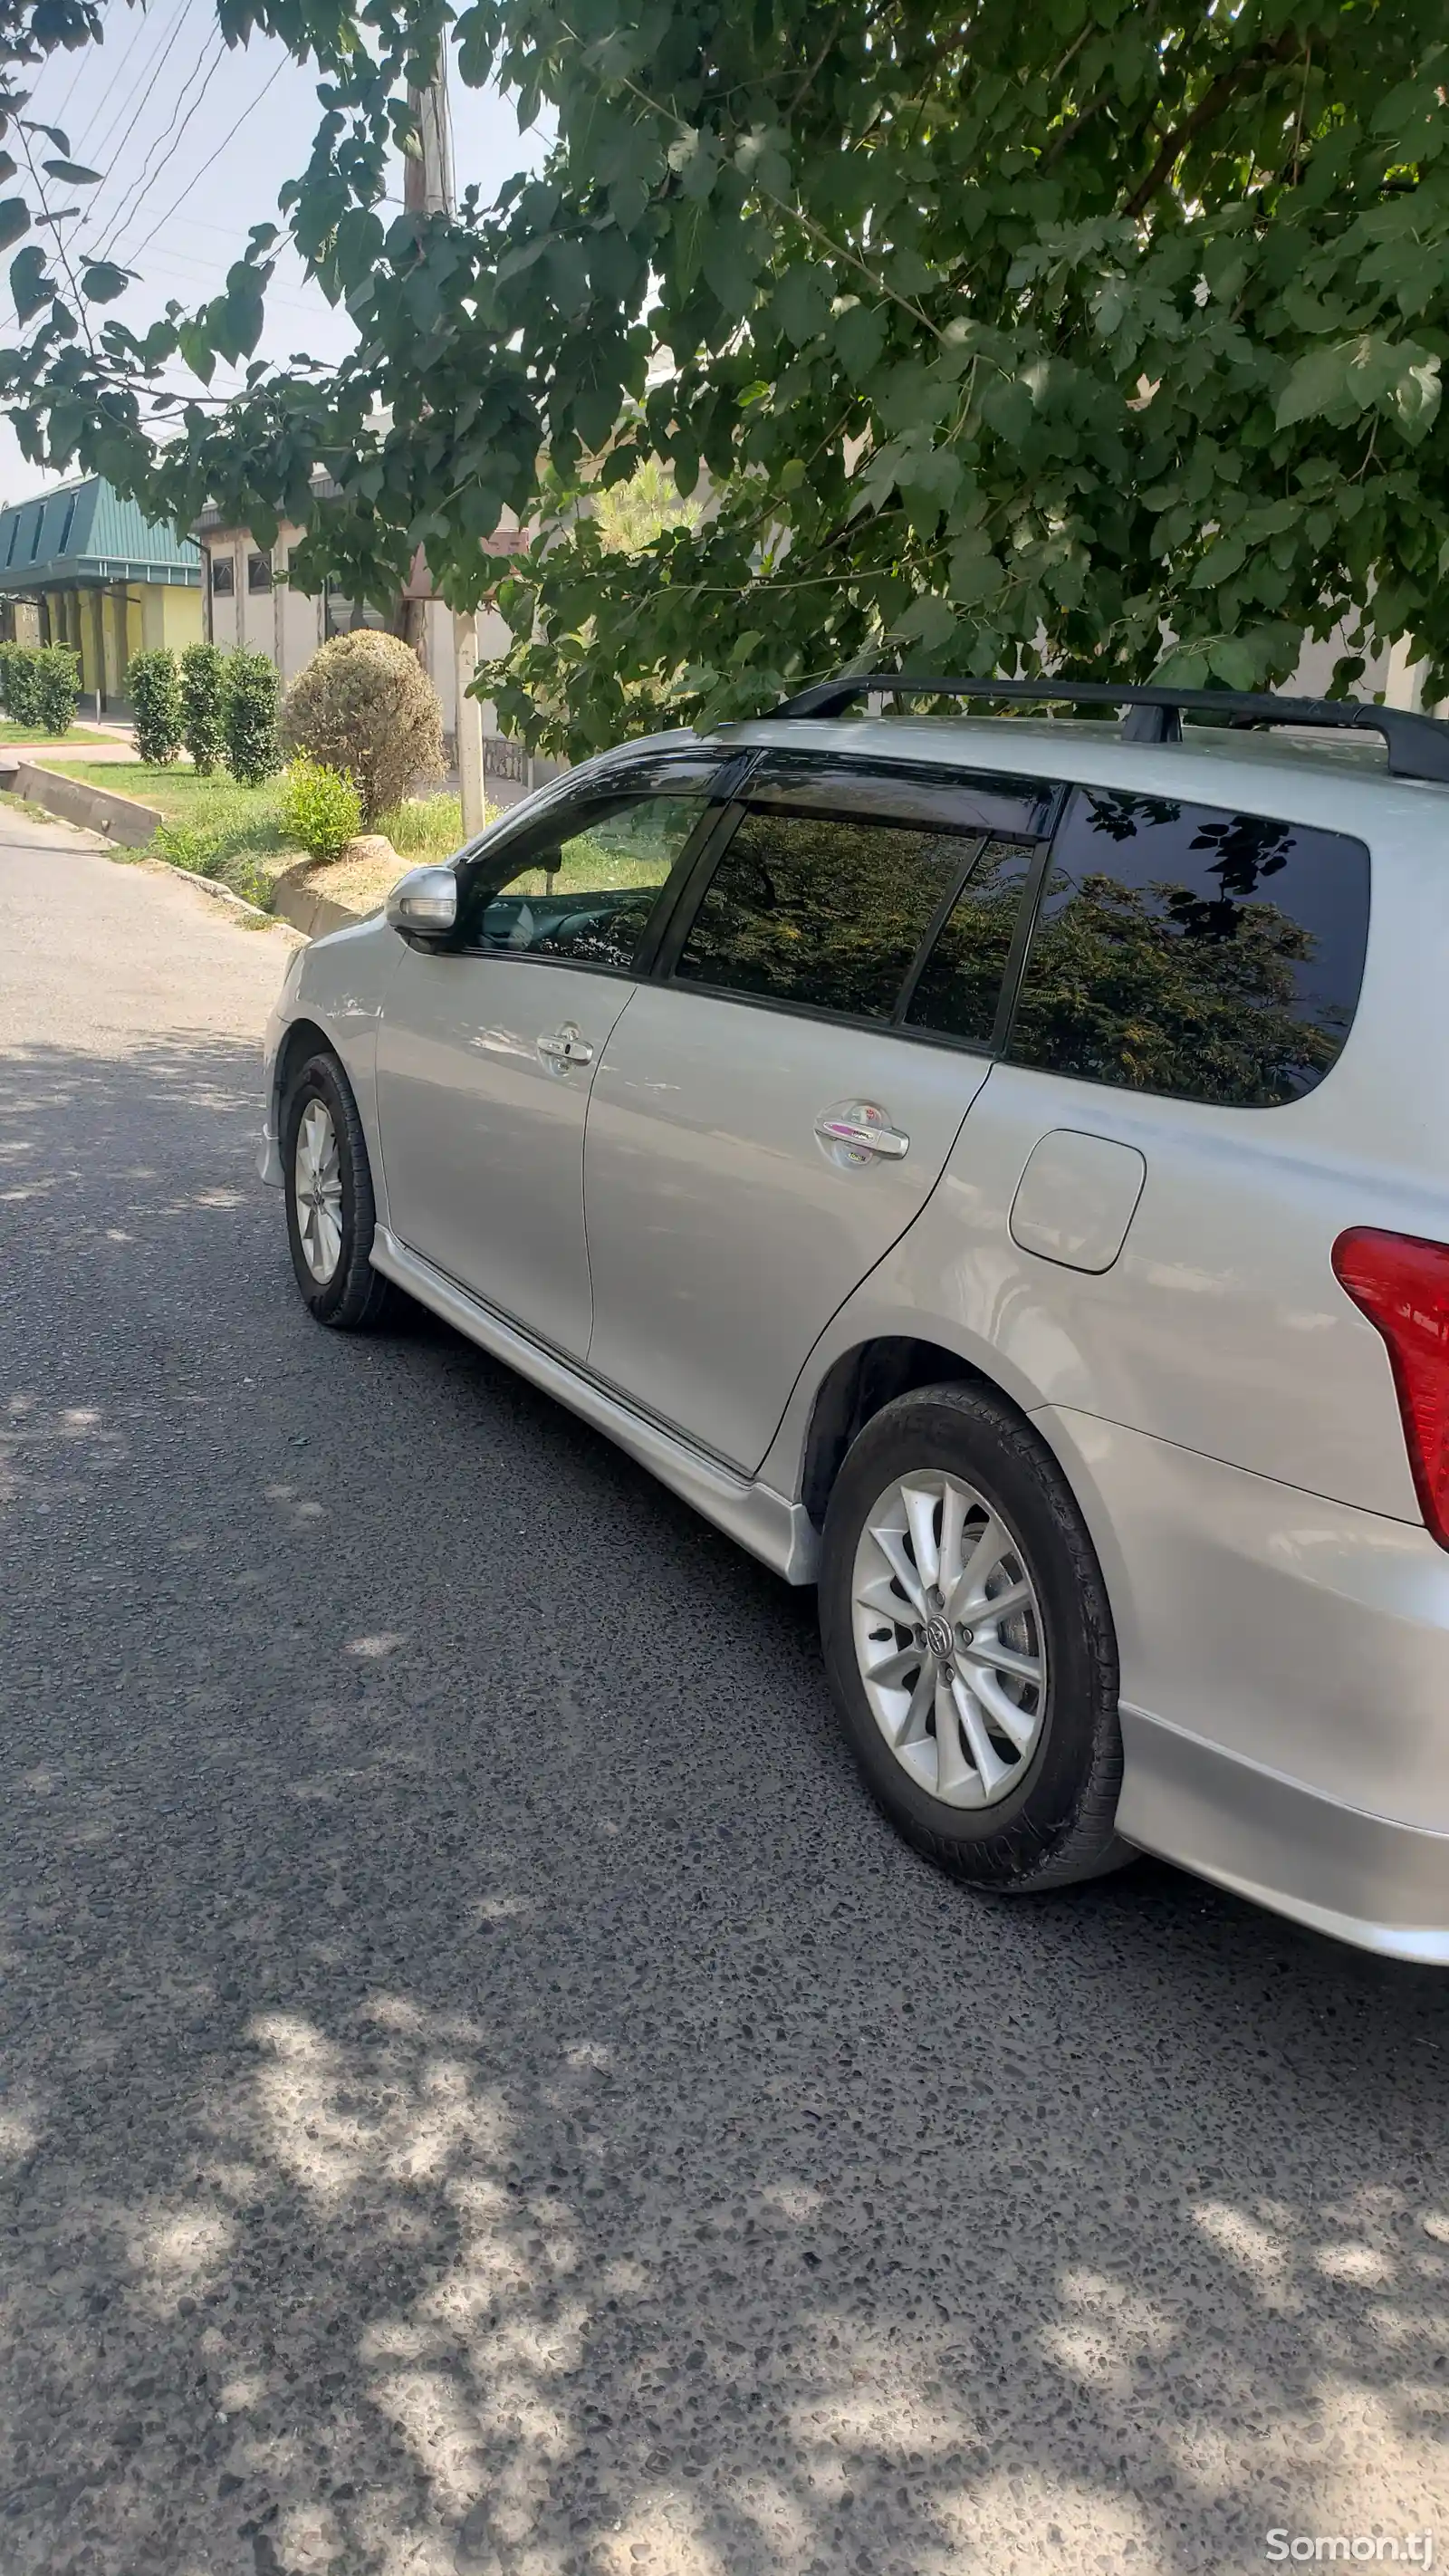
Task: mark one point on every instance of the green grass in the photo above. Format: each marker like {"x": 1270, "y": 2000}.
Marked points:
{"x": 209, "y": 825}
{"x": 427, "y": 827}
{"x": 217, "y": 829}
{"x": 28, "y": 733}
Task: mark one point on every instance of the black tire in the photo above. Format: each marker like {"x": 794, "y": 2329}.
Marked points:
{"x": 356, "y": 1298}
{"x": 1057, "y": 1821}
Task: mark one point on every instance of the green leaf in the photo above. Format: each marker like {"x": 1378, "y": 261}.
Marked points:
{"x": 730, "y": 265}
{"x": 1231, "y": 661}
{"x": 801, "y": 302}
{"x": 29, "y": 285}
{"x": 74, "y": 171}
{"x": 14, "y": 220}
{"x": 1314, "y": 387}
{"x": 859, "y": 335}
{"x": 8, "y": 165}
{"x": 102, "y": 282}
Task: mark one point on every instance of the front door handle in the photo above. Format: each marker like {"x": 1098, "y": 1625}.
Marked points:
{"x": 860, "y": 1134}
{"x": 564, "y": 1047}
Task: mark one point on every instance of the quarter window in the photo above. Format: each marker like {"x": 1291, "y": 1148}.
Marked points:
{"x": 823, "y": 913}
{"x": 586, "y": 890}
{"x": 1195, "y": 952}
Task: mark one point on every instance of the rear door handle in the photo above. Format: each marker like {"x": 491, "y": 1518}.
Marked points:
{"x": 857, "y": 1134}
{"x": 563, "y": 1047}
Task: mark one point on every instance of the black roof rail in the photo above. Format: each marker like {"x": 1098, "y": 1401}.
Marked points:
{"x": 1418, "y": 745}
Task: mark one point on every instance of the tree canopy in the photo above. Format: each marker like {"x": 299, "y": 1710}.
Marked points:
{"x": 1096, "y": 337}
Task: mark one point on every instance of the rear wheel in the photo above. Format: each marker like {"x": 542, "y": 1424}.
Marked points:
{"x": 969, "y": 1643}
{"x": 330, "y": 1208}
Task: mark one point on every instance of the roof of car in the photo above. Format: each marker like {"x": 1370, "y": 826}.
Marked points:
{"x": 1338, "y": 780}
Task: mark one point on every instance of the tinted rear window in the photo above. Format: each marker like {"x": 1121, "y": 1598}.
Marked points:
{"x": 823, "y": 913}
{"x": 1192, "y": 951}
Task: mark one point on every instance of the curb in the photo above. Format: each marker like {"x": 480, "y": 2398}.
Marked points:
{"x": 98, "y": 809}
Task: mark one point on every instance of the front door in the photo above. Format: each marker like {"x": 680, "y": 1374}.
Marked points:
{"x": 487, "y": 1050}
{"x": 770, "y": 1115}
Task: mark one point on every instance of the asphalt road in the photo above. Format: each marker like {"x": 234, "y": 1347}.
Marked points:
{"x": 482, "y": 2089}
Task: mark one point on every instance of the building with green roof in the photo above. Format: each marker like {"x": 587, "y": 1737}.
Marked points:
{"x": 80, "y": 566}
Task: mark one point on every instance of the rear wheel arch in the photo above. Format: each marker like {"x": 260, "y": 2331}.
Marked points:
{"x": 860, "y": 1382}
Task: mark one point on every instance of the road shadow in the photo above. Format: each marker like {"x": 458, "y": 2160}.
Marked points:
{"x": 483, "y": 2089}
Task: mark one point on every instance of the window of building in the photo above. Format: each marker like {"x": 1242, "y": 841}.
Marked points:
{"x": 259, "y": 572}
{"x": 1194, "y": 952}
{"x": 821, "y": 912}
{"x": 223, "y": 577}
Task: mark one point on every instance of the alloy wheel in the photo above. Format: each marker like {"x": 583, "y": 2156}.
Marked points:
{"x": 949, "y": 1639}
{"x": 317, "y": 1188}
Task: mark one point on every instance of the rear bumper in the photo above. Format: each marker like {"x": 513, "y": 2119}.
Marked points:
{"x": 1285, "y": 1686}
{"x": 1360, "y": 1878}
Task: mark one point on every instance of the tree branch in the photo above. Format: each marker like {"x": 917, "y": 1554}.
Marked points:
{"x": 1210, "y": 106}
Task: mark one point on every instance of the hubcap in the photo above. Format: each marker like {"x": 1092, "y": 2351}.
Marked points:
{"x": 949, "y": 1639}
{"x": 317, "y": 1187}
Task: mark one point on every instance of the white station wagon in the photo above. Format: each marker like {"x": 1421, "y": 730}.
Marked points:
{"x": 994, "y": 1167}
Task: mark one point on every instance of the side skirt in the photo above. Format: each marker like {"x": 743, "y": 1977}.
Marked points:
{"x": 780, "y": 1533}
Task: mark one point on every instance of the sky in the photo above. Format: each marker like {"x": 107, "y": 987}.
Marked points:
{"x": 194, "y": 141}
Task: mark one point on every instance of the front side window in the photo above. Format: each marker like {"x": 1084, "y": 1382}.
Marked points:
{"x": 586, "y": 888}
{"x": 223, "y": 576}
{"x": 1195, "y": 952}
{"x": 823, "y": 913}
{"x": 259, "y": 572}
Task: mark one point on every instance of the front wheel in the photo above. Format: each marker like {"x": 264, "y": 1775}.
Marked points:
{"x": 969, "y": 1643}
{"x": 330, "y": 1208}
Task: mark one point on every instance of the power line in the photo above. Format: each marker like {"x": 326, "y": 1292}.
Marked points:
{"x": 181, "y": 116}
{"x": 210, "y": 161}
{"x": 146, "y": 69}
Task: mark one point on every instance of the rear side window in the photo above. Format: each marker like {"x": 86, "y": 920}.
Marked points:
{"x": 959, "y": 986}
{"x": 1195, "y": 952}
{"x": 821, "y": 912}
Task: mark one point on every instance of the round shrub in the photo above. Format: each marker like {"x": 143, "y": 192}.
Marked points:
{"x": 320, "y": 807}
{"x": 365, "y": 704}
{"x": 202, "y": 728}
{"x": 156, "y": 704}
{"x": 249, "y": 718}
{"x": 22, "y": 684}
{"x": 58, "y": 687}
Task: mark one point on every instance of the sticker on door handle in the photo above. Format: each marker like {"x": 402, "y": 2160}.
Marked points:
{"x": 857, "y": 1132}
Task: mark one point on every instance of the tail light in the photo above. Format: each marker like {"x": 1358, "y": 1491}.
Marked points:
{"x": 1402, "y": 1285}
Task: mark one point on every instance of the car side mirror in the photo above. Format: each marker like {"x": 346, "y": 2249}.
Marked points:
{"x": 424, "y": 903}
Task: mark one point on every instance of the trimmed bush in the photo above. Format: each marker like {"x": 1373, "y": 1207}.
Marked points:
{"x": 155, "y": 694}
{"x": 320, "y": 807}
{"x": 202, "y": 689}
{"x": 57, "y": 687}
{"x": 365, "y": 704}
{"x": 22, "y": 684}
{"x": 249, "y": 718}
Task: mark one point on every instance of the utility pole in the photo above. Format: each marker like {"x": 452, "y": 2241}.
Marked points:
{"x": 428, "y": 190}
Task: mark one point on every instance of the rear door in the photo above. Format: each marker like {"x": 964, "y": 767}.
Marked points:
{"x": 767, "y": 1118}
